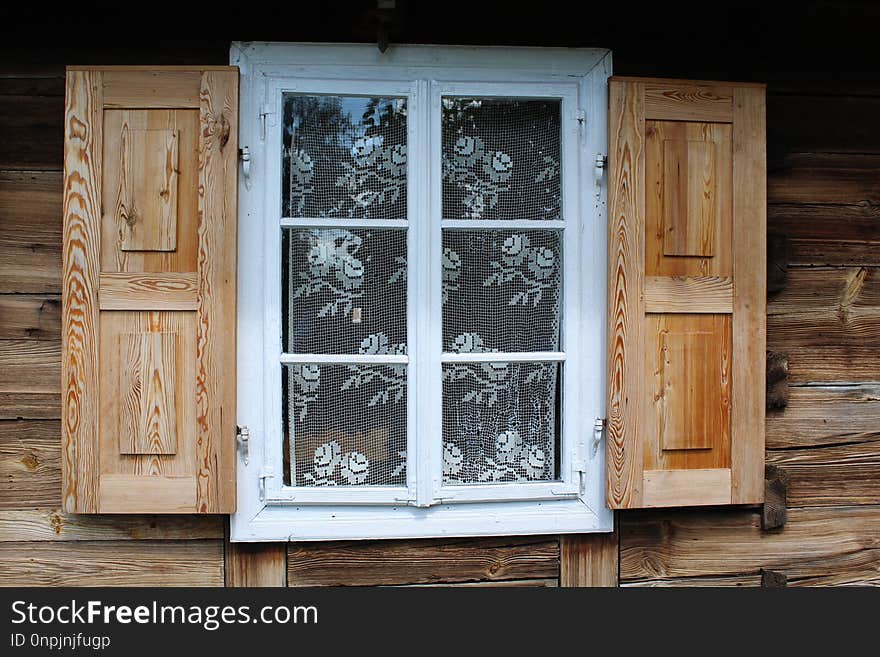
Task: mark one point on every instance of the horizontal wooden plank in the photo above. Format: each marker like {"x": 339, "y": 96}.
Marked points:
{"x": 688, "y": 102}
{"x": 30, "y": 232}
{"x": 834, "y": 475}
{"x": 30, "y": 464}
{"x": 30, "y": 375}
{"x": 672, "y": 544}
{"x": 703, "y": 487}
{"x": 688, "y": 294}
{"x": 30, "y": 405}
{"x": 732, "y": 581}
{"x": 119, "y": 493}
{"x": 825, "y": 415}
{"x": 256, "y": 564}
{"x": 368, "y": 563}
{"x": 131, "y": 87}
{"x": 857, "y": 569}
{"x": 112, "y": 563}
{"x": 48, "y": 85}
{"x": 511, "y": 583}
{"x": 827, "y": 234}
{"x": 825, "y": 178}
{"x": 32, "y": 131}
{"x": 55, "y": 525}
{"x": 844, "y": 363}
{"x": 30, "y": 316}
{"x": 149, "y": 291}
{"x": 825, "y": 307}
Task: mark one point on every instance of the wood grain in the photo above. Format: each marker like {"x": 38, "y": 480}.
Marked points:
{"x": 749, "y": 300}
{"x": 688, "y": 294}
{"x": 588, "y": 560}
{"x": 79, "y": 346}
{"x": 30, "y": 379}
{"x": 30, "y": 232}
{"x": 256, "y": 564}
{"x": 30, "y": 464}
{"x": 148, "y": 363}
{"x": 218, "y": 224}
{"x": 715, "y": 543}
{"x": 689, "y": 186}
{"x": 685, "y": 101}
{"x": 31, "y": 317}
{"x": 149, "y": 291}
{"x": 690, "y": 487}
{"x": 626, "y": 212}
{"x": 132, "y": 88}
{"x": 112, "y": 563}
{"x": 52, "y": 524}
{"x": 369, "y": 563}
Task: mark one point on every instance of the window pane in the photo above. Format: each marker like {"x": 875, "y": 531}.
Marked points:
{"x": 344, "y": 156}
{"x": 501, "y": 158}
{"x": 345, "y": 425}
{"x": 502, "y": 290}
{"x": 500, "y": 422}
{"x": 345, "y": 291}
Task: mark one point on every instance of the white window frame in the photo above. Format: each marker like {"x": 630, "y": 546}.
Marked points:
{"x": 268, "y": 510}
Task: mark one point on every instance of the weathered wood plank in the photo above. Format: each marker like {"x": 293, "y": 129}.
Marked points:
{"x": 588, "y": 560}
{"x": 44, "y": 524}
{"x": 825, "y": 415}
{"x": 112, "y": 563}
{"x": 826, "y": 307}
{"x": 30, "y": 378}
{"x": 31, "y": 317}
{"x": 719, "y": 543}
{"x": 512, "y": 583}
{"x": 825, "y": 178}
{"x": 832, "y": 363}
{"x": 813, "y": 123}
{"x": 835, "y": 475}
{"x": 30, "y": 464}
{"x": 732, "y": 581}
{"x": 826, "y": 234}
{"x": 421, "y": 562}
{"x": 857, "y": 569}
{"x": 256, "y": 564}
{"x": 30, "y": 232}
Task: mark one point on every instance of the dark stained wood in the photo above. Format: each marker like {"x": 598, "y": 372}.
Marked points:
{"x": 825, "y": 178}
{"x": 256, "y": 564}
{"x": 773, "y": 579}
{"x": 30, "y": 232}
{"x": 31, "y": 138}
{"x": 826, "y": 415}
{"x": 30, "y": 464}
{"x": 777, "y": 262}
{"x": 31, "y": 317}
{"x": 368, "y": 563}
{"x": 849, "y": 124}
{"x": 828, "y": 234}
{"x": 833, "y": 475}
{"x": 774, "y": 512}
{"x": 55, "y": 525}
{"x": 719, "y": 543}
{"x": 112, "y": 563}
{"x": 777, "y": 380}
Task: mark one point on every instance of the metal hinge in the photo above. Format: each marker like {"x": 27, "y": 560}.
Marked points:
{"x": 265, "y": 473}
{"x": 242, "y": 438}
{"x": 244, "y": 154}
{"x": 581, "y": 116}
{"x": 266, "y": 119}
{"x": 601, "y": 164}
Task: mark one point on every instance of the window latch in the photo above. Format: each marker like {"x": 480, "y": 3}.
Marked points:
{"x": 265, "y": 473}
{"x": 266, "y": 118}
{"x": 244, "y": 155}
{"x": 243, "y": 436}
{"x": 598, "y": 430}
{"x": 599, "y": 170}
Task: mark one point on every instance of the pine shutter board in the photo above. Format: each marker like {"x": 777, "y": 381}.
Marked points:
{"x": 149, "y": 301}
{"x": 687, "y": 293}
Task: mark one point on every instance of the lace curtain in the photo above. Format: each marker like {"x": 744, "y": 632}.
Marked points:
{"x": 346, "y": 289}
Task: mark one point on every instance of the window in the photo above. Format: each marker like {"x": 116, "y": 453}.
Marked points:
{"x": 421, "y": 302}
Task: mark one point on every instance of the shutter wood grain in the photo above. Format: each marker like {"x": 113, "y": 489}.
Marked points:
{"x": 148, "y": 290}
{"x": 687, "y": 281}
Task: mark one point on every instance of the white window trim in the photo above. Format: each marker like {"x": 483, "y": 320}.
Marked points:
{"x": 269, "y": 511}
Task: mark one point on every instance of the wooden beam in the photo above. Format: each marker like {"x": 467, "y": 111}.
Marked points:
{"x": 256, "y": 564}
{"x": 588, "y": 560}
{"x": 774, "y": 512}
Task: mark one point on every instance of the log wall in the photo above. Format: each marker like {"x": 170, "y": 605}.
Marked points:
{"x": 823, "y": 199}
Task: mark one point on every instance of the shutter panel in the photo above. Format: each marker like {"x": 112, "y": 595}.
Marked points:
{"x": 149, "y": 285}
{"x": 687, "y": 306}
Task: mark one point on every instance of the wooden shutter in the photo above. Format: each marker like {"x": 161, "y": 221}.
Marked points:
{"x": 687, "y": 233}
{"x": 149, "y": 285}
